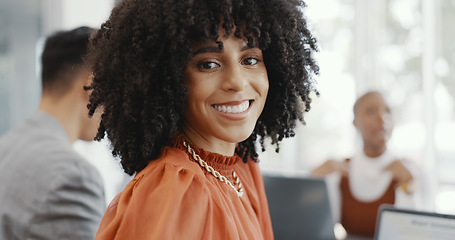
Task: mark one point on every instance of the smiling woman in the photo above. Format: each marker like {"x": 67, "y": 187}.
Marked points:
{"x": 188, "y": 90}
{"x": 227, "y": 92}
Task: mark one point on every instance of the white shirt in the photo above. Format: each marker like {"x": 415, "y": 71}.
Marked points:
{"x": 368, "y": 181}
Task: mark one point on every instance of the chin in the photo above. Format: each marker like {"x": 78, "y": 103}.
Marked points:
{"x": 242, "y": 135}
{"x": 381, "y": 142}
{"x": 87, "y": 138}
{"x": 236, "y": 139}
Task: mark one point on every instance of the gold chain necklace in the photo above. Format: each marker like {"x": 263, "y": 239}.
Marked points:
{"x": 214, "y": 172}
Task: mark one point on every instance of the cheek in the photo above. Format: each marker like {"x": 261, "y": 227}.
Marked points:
{"x": 193, "y": 92}
{"x": 200, "y": 86}
{"x": 197, "y": 96}
{"x": 369, "y": 126}
{"x": 266, "y": 87}
{"x": 363, "y": 126}
{"x": 262, "y": 84}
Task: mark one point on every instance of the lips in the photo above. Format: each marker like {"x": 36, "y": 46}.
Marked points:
{"x": 232, "y": 108}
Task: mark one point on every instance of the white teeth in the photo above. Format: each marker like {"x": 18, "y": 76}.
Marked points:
{"x": 233, "y": 109}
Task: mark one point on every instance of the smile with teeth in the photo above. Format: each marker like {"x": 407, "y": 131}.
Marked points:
{"x": 233, "y": 108}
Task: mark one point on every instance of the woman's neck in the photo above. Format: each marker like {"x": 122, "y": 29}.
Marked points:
{"x": 374, "y": 151}
{"x": 211, "y": 143}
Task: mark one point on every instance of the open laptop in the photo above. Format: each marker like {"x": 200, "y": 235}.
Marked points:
{"x": 299, "y": 208}
{"x": 401, "y": 224}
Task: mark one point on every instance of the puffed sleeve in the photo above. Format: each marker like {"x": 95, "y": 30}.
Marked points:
{"x": 167, "y": 200}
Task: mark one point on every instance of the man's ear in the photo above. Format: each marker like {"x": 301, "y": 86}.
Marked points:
{"x": 87, "y": 84}
{"x": 355, "y": 122}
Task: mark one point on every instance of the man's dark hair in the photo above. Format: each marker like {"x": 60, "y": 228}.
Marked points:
{"x": 63, "y": 53}
{"x": 139, "y": 55}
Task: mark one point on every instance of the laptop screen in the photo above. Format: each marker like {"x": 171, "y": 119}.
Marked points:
{"x": 394, "y": 223}
{"x": 299, "y": 208}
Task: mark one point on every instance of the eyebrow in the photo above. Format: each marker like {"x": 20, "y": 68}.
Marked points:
{"x": 216, "y": 49}
{"x": 207, "y": 49}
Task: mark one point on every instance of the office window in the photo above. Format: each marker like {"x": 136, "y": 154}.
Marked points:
{"x": 19, "y": 86}
{"x": 329, "y": 122}
{"x": 444, "y": 93}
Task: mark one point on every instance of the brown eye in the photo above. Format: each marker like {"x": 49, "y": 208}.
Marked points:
{"x": 208, "y": 65}
{"x": 250, "y": 61}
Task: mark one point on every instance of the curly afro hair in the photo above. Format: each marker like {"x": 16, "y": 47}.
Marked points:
{"x": 139, "y": 55}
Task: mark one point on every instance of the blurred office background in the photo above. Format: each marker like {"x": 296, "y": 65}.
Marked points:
{"x": 405, "y": 48}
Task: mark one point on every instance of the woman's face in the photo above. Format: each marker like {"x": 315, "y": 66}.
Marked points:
{"x": 374, "y": 120}
{"x": 227, "y": 92}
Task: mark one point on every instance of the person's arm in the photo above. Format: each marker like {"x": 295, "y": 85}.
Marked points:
{"x": 73, "y": 207}
{"x": 329, "y": 167}
{"x": 403, "y": 175}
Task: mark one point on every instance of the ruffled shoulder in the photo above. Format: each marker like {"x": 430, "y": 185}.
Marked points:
{"x": 180, "y": 198}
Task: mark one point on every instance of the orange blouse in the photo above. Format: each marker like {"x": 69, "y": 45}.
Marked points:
{"x": 174, "y": 198}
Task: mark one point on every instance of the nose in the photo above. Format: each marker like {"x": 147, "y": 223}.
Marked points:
{"x": 235, "y": 78}
{"x": 384, "y": 117}
{"x": 381, "y": 117}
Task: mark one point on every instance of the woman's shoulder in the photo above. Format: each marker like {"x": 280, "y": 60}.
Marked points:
{"x": 154, "y": 197}
{"x": 173, "y": 157}
{"x": 168, "y": 177}
{"x": 173, "y": 166}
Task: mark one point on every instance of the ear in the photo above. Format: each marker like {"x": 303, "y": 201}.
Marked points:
{"x": 87, "y": 79}
{"x": 355, "y": 122}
